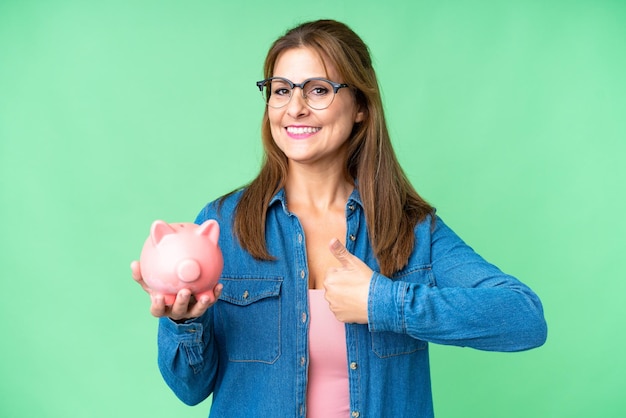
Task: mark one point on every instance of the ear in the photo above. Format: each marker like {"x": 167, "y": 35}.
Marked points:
{"x": 159, "y": 230}
{"x": 360, "y": 116}
{"x": 211, "y": 229}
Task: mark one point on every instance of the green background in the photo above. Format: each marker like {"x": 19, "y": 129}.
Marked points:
{"x": 508, "y": 116}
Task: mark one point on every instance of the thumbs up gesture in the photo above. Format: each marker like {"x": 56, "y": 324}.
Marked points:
{"x": 347, "y": 286}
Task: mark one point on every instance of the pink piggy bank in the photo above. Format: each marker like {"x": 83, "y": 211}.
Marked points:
{"x": 182, "y": 256}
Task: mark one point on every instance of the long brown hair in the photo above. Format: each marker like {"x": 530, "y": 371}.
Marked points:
{"x": 392, "y": 206}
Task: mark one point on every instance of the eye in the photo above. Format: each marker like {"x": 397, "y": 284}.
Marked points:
{"x": 318, "y": 88}
{"x": 280, "y": 88}
{"x": 281, "y": 91}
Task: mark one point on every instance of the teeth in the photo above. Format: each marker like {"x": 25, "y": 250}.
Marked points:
{"x": 302, "y": 130}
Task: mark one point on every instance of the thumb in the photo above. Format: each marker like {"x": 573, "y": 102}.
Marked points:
{"x": 135, "y": 270}
{"x": 340, "y": 252}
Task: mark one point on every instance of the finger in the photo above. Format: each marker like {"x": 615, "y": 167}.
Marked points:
{"x": 158, "y": 306}
{"x": 144, "y": 286}
{"x": 206, "y": 301}
{"x": 142, "y": 283}
{"x": 218, "y": 291}
{"x": 201, "y": 306}
{"x": 340, "y": 252}
{"x": 180, "y": 307}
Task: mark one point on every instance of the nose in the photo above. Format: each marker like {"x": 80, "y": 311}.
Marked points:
{"x": 188, "y": 270}
{"x": 297, "y": 106}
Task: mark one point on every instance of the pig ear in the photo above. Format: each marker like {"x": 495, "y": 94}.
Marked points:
{"x": 159, "y": 230}
{"x": 210, "y": 229}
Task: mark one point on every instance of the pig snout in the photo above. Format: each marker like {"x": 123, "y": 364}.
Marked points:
{"x": 188, "y": 270}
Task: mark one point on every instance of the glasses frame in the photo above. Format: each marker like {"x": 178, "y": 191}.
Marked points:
{"x": 336, "y": 86}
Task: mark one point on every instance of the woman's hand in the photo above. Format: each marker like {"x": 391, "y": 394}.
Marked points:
{"x": 347, "y": 287}
{"x": 185, "y": 306}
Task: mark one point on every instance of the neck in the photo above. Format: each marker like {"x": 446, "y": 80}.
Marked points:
{"x": 317, "y": 189}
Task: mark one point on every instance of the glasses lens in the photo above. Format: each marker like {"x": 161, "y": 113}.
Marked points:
{"x": 318, "y": 93}
{"x": 277, "y": 92}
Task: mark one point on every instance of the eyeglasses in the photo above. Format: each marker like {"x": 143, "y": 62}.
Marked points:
{"x": 318, "y": 93}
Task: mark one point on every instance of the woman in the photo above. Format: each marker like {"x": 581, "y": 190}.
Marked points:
{"x": 337, "y": 273}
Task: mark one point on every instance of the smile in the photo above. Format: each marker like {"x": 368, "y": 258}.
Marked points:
{"x": 302, "y": 130}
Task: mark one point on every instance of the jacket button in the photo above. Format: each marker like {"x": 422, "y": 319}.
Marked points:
{"x": 355, "y": 414}
{"x": 353, "y": 365}
{"x": 302, "y": 274}
{"x": 352, "y": 237}
{"x": 246, "y": 294}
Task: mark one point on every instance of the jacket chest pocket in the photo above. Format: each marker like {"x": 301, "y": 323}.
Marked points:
{"x": 248, "y": 319}
{"x": 389, "y": 344}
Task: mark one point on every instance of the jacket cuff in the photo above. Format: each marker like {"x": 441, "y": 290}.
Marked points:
{"x": 385, "y": 304}
{"x": 189, "y": 330}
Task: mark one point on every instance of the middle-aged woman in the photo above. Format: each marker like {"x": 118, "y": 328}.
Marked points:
{"x": 337, "y": 274}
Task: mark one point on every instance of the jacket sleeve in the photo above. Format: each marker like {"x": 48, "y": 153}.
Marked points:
{"x": 187, "y": 353}
{"x": 470, "y": 302}
{"x": 187, "y": 357}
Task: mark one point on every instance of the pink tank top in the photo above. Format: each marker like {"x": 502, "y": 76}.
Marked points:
{"x": 328, "y": 392}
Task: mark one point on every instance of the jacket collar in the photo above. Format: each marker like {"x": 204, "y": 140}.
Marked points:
{"x": 280, "y": 197}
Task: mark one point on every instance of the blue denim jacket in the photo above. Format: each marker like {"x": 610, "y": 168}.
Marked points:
{"x": 250, "y": 350}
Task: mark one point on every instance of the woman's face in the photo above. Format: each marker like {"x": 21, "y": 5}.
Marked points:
{"x": 305, "y": 135}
